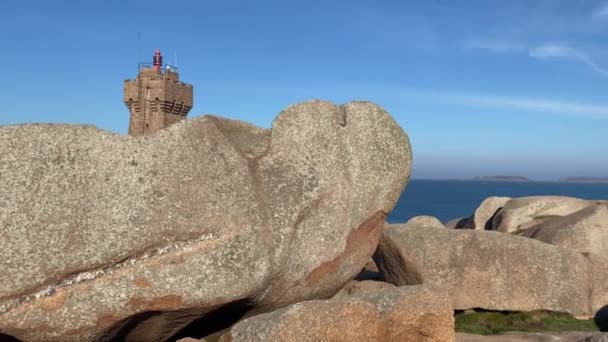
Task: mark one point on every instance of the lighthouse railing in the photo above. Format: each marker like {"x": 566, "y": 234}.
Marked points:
{"x": 163, "y": 67}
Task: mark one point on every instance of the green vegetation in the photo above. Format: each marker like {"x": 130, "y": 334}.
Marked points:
{"x": 492, "y": 322}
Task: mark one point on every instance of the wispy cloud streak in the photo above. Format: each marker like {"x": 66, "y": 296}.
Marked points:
{"x": 538, "y": 105}
{"x": 601, "y": 12}
{"x": 541, "y": 52}
{"x": 494, "y": 45}
{"x": 547, "y": 51}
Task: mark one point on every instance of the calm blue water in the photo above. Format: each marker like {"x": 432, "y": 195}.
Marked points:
{"x": 447, "y": 200}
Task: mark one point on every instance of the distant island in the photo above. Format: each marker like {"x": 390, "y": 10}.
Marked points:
{"x": 584, "y": 180}
{"x": 502, "y": 178}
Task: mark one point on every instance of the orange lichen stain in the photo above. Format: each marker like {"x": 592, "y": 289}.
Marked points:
{"x": 367, "y": 234}
{"x": 162, "y": 261}
{"x": 54, "y": 302}
{"x": 105, "y": 320}
{"x": 137, "y": 303}
{"x": 74, "y": 332}
{"x": 174, "y": 259}
{"x": 142, "y": 283}
{"x": 168, "y": 302}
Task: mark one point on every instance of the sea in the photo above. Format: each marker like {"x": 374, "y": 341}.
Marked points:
{"x": 450, "y": 199}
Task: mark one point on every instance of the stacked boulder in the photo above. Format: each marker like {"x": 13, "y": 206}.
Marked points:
{"x": 520, "y": 254}
{"x": 519, "y": 214}
{"x": 185, "y": 232}
{"x": 494, "y": 271}
{"x": 214, "y": 229}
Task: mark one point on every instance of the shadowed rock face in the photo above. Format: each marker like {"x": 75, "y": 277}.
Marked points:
{"x": 494, "y": 271}
{"x": 484, "y": 214}
{"x": 97, "y": 227}
{"x": 355, "y": 286}
{"x": 601, "y": 318}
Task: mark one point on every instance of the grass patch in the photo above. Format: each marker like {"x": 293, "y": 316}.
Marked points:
{"x": 493, "y": 322}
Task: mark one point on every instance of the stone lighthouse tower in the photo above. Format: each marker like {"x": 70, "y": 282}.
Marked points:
{"x": 156, "y": 98}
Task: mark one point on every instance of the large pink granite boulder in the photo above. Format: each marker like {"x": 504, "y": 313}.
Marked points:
{"x": 104, "y": 235}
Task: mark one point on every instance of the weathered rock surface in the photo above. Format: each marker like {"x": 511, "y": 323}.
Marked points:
{"x": 494, "y": 271}
{"x": 524, "y": 212}
{"x": 425, "y": 221}
{"x": 596, "y": 338}
{"x": 312, "y": 321}
{"x": 96, "y": 227}
{"x": 584, "y": 231}
{"x": 484, "y": 214}
{"x": 566, "y": 336}
{"x": 411, "y": 313}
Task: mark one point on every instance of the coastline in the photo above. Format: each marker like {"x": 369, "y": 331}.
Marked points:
{"x": 558, "y": 181}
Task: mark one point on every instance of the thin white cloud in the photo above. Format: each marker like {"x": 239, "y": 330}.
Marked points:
{"x": 601, "y": 12}
{"x": 494, "y": 45}
{"x": 541, "y": 52}
{"x": 548, "y": 51}
{"x": 542, "y": 105}
{"x": 523, "y": 104}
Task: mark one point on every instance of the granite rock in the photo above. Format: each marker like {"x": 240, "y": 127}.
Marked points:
{"x": 596, "y": 338}
{"x": 425, "y": 221}
{"x": 564, "y": 336}
{"x": 404, "y": 314}
{"x": 103, "y": 234}
{"x": 524, "y": 212}
{"x": 495, "y": 271}
{"x": 459, "y": 223}
{"x": 584, "y": 231}
{"x": 484, "y": 214}
{"x": 354, "y": 287}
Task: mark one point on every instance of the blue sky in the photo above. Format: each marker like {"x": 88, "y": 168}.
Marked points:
{"x": 481, "y": 87}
